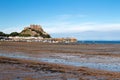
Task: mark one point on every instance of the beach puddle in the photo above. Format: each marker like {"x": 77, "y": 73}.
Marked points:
{"x": 115, "y": 66}
{"x": 17, "y": 56}
{"x": 101, "y": 66}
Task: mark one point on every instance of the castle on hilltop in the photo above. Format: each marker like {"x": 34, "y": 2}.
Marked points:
{"x": 33, "y": 26}
{"x": 35, "y": 33}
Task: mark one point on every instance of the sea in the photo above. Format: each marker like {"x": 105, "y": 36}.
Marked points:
{"x": 98, "y": 42}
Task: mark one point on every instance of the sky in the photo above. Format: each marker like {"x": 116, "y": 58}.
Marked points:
{"x": 82, "y": 19}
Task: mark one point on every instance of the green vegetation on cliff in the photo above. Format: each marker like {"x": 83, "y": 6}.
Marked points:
{"x": 32, "y": 31}
{"x": 35, "y": 31}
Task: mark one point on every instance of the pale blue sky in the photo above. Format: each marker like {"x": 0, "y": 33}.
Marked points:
{"x": 83, "y": 19}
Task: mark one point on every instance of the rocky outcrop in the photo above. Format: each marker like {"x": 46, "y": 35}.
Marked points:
{"x": 35, "y": 31}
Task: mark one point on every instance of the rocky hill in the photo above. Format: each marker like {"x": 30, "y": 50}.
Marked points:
{"x": 36, "y": 31}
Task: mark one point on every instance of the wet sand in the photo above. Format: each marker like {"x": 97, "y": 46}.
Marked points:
{"x": 44, "y": 61}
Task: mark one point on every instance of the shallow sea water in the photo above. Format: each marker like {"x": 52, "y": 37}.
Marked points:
{"x": 115, "y": 66}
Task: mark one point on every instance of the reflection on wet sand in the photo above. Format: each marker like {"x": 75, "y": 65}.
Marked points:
{"x": 113, "y": 66}
{"x": 59, "y": 61}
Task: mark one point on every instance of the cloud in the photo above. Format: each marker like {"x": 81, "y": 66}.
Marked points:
{"x": 57, "y": 24}
{"x": 87, "y": 30}
{"x": 72, "y": 24}
{"x": 69, "y": 16}
{"x": 67, "y": 27}
{"x": 91, "y": 35}
{"x": 12, "y": 29}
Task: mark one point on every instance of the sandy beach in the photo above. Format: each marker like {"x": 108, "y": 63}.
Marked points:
{"x": 45, "y": 61}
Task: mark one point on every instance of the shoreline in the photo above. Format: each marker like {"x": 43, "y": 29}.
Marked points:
{"x": 58, "y": 68}
{"x": 68, "y": 52}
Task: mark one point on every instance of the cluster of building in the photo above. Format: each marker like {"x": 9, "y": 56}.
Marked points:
{"x": 40, "y": 39}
